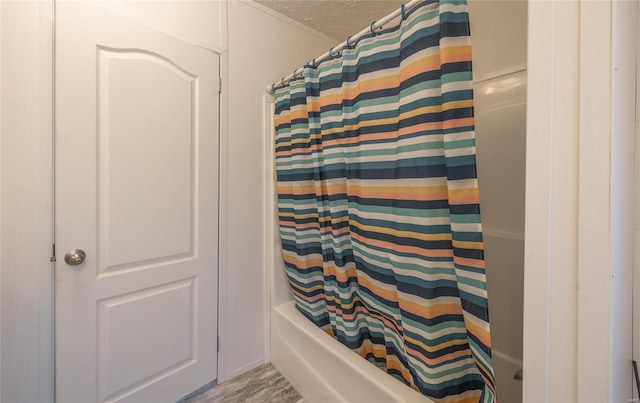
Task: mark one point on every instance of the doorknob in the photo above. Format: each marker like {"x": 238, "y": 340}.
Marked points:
{"x": 75, "y": 257}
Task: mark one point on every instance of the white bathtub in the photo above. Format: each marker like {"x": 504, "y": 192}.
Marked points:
{"x": 323, "y": 370}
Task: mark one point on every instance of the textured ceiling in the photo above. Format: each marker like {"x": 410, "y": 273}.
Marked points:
{"x": 337, "y": 19}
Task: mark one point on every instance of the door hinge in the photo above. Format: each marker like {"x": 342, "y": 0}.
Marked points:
{"x": 52, "y": 259}
{"x": 637, "y": 377}
{"x": 218, "y": 344}
{"x": 219, "y": 85}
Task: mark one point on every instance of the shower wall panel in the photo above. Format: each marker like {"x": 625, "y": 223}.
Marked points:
{"x": 499, "y": 39}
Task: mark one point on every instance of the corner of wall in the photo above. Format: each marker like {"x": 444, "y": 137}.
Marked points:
{"x": 262, "y": 47}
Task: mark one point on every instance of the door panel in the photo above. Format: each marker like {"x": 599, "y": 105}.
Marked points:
{"x": 145, "y": 153}
{"x": 119, "y": 335}
{"x": 136, "y": 189}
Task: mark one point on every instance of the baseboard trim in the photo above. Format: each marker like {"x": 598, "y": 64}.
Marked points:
{"x": 244, "y": 368}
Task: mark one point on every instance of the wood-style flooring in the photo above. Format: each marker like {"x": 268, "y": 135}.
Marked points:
{"x": 260, "y": 385}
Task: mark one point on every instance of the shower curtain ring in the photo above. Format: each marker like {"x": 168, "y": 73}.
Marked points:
{"x": 402, "y": 12}
{"x": 273, "y": 87}
{"x": 282, "y": 81}
{"x": 371, "y": 27}
{"x": 331, "y": 53}
{"x": 313, "y": 63}
{"x": 348, "y": 42}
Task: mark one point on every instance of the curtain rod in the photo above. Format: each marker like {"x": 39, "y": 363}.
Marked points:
{"x": 329, "y": 55}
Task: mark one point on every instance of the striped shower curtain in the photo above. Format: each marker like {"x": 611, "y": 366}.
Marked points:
{"x": 378, "y": 203}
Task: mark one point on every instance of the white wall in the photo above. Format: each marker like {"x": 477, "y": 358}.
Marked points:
{"x": 25, "y": 199}
{"x": 200, "y": 22}
{"x": 263, "y": 47}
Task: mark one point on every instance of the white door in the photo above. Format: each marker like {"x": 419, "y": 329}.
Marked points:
{"x": 137, "y": 191}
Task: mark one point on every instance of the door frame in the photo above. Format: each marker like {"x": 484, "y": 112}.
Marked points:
{"x": 636, "y": 240}
{"x": 26, "y": 205}
{"x": 580, "y": 185}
